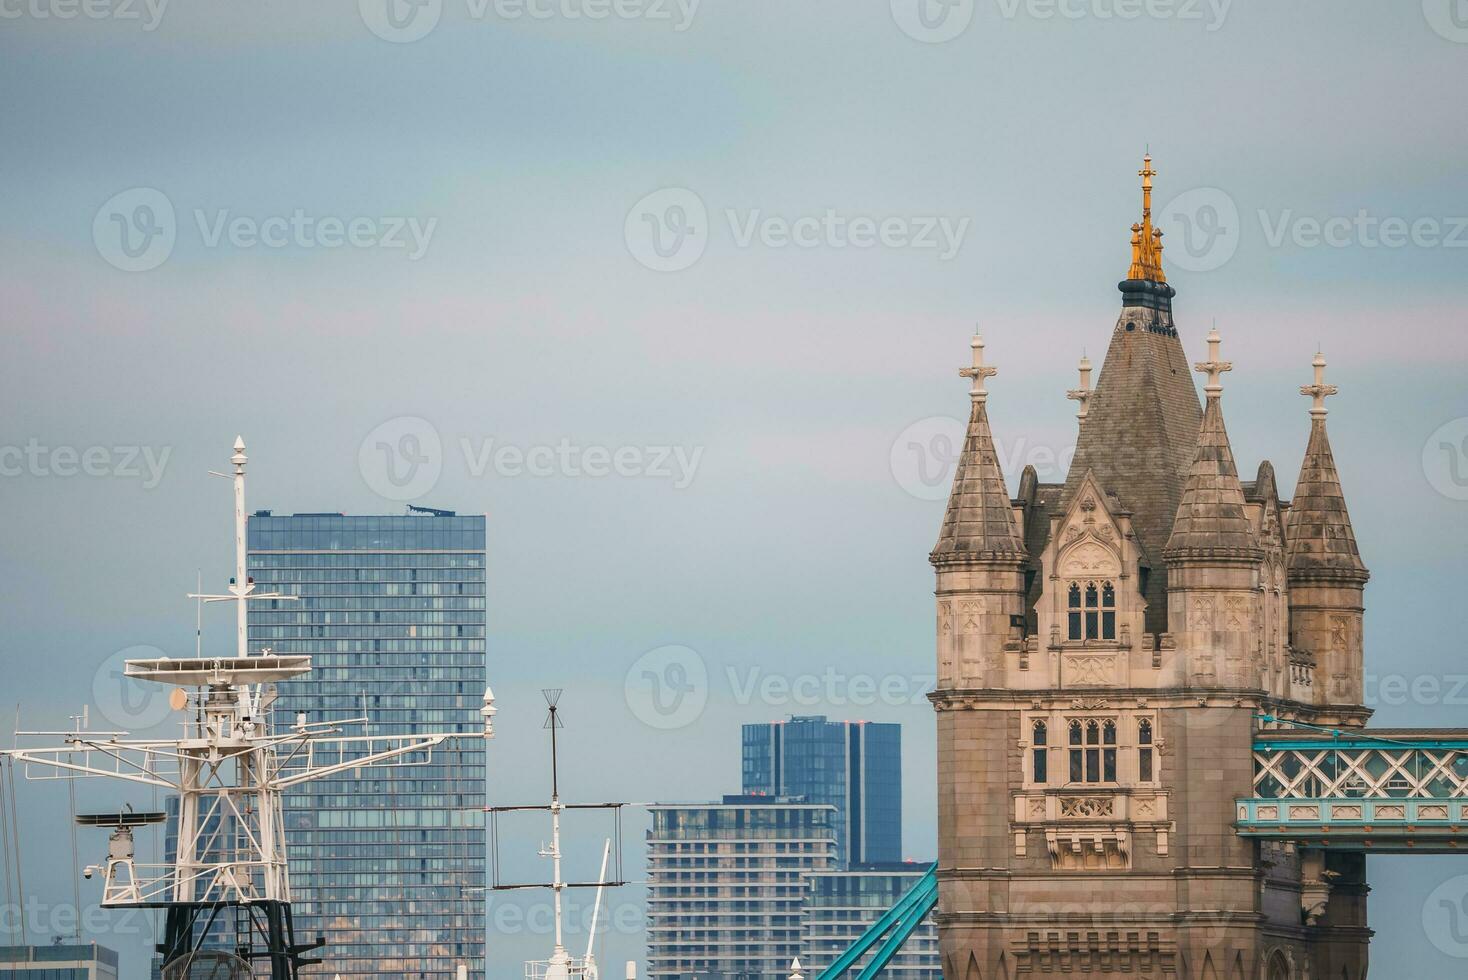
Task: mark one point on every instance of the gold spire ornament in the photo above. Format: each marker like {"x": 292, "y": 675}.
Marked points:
{"x": 1146, "y": 240}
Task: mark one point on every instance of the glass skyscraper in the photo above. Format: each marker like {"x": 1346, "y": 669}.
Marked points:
{"x": 388, "y": 863}
{"x": 855, "y": 766}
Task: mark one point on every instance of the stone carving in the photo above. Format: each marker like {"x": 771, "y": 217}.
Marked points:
{"x": 1091, "y": 669}
{"x": 969, "y": 611}
{"x": 1236, "y": 612}
{"x": 1089, "y": 558}
{"x": 1202, "y": 612}
{"x": 1086, "y": 806}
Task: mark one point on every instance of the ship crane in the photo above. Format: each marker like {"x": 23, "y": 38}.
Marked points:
{"x": 229, "y": 771}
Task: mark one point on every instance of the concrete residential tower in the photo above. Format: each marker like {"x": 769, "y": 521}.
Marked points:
{"x": 1106, "y": 648}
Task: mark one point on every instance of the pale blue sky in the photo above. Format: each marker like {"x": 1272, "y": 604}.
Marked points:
{"x": 528, "y": 320}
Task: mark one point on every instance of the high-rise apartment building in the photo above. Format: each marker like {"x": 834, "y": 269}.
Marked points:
{"x": 386, "y": 863}
{"x": 72, "y": 961}
{"x": 726, "y": 884}
{"x": 855, "y": 766}
{"x": 841, "y": 905}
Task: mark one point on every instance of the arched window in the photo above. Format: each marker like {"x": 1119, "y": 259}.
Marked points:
{"x": 1077, "y": 755}
{"x": 1041, "y": 760}
{"x": 1093, "y": 751}
{"x": 1091, "y": 614}
{"x": 1279, "y": 967}
{"x": 1144, "y": 750}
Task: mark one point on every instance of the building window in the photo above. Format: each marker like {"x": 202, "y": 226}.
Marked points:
{"x": 1093, "y": 751}
{"x": 1075, "y": 612}
{"x": 1144, "y": 751}
{"x": 1095, "y": 617}
{"x": 1042, "y": 769}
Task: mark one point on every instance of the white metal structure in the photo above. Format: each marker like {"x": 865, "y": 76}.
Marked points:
{"x": 229, "y": 769}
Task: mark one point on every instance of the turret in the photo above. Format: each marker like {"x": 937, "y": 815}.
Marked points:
{"x": 979, "y": 558}
{"x": 1213, "y": 556}
{"x": 1327, "y": 578}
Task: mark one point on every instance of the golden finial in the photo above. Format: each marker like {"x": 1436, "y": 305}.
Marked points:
{"x": 1146, "y": 240}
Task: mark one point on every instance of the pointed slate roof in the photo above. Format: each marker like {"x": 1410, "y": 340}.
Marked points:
{"x": 1140, "y": 432}
{"x": 1318, "y": 531}
{"x": 979, "y": 523}
{"x": 1141, "y": 424}
{"x": 1210, "y": 521}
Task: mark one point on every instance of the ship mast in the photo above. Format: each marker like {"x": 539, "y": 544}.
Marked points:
{"x": 230, "y": 772}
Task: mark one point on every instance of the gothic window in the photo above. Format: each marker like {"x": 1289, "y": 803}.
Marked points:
{"x": 1077, "y": 756}
{"x": 1144, "y": 751}
{"x": 1074, "y": 605}
{"x": 1040, "y": 759}
{"x": 1093, "y": 751}
{"x": 1091, "y": 614}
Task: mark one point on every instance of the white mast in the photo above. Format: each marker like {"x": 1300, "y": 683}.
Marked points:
{"x": 241, "y": 587}
{"x": 229, "y": 771}
{"x": 560, "y": 963}
{"x": 590, "y": 961}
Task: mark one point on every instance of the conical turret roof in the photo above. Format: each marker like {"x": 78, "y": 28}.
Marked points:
{"x": 1318, "y": 532}
{"x": 1210, "y": 520}
{"x": 979, "y": 523}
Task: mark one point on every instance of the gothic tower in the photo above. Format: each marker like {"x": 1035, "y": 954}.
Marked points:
{"x": 1107, "y": 650}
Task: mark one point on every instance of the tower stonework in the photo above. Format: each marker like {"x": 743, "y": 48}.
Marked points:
{"x": 1107, "y": 650}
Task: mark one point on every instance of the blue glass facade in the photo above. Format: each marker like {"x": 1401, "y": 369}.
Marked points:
{"x": 855, "y": 766}
{"x": 387, "y": 863}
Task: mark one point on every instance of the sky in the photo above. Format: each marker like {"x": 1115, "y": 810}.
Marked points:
{"x": 676, "y": 293}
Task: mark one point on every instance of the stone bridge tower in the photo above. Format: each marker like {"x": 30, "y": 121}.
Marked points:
{"x": 1105, "y": 649}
